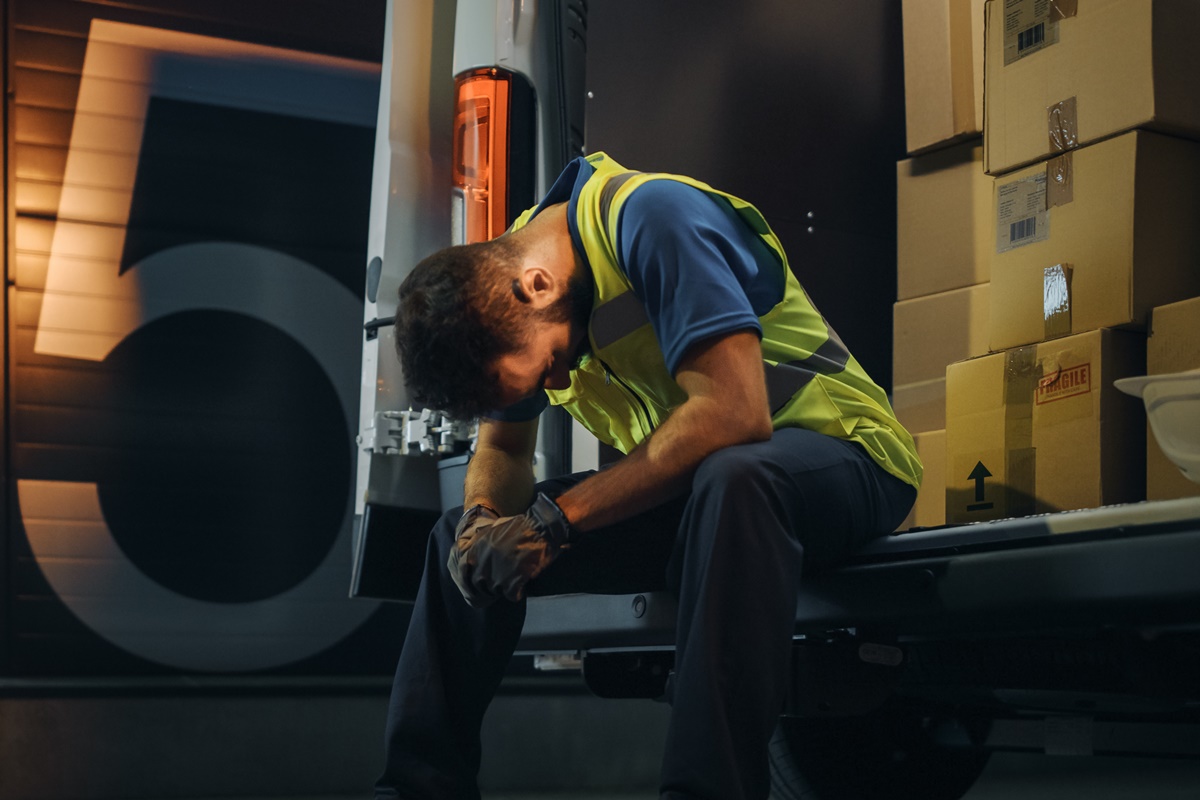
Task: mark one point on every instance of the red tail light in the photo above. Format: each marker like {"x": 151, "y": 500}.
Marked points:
{"x": 482, "y": 110}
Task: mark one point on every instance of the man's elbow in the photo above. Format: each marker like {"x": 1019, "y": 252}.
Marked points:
{"x": 747, "y": 427}
{"x": 759, "y": 429}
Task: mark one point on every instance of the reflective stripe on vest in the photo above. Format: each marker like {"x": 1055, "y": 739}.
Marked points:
{"x": 625, "y": 313}
{"x": 610, "y": 189}
{"x": 618, "y": 318}
{"x": 785, "y": 380}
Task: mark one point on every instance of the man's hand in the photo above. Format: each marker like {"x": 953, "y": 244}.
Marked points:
{"x": 464, "y": 535}
{"x": 495, "y": 558}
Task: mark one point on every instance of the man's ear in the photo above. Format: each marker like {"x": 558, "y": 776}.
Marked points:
{"x": 535, "y": 287}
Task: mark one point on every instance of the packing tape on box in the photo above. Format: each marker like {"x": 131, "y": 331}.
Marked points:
{"x": 1062, "y": 126}
{"x": 1061, "y": 9}
{"x": 1056, "y": 300}
{"x": 1021, "y": 376}
{"x": 1051, "y": 372}
{"x": 1060, "y": 180}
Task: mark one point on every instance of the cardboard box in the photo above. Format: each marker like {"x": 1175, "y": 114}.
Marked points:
{"x": 1042, "y": 428}
{"x": 930, "y": 508}
{"x": 944, "y": 227}
{"x": 1174, "y": 346}
{"x": 1115, "y": 237}
{"x": 921, "y": 407}
{"x": 929, "y": 334}
{"x": 943, "y": 71}
{"x": 1108, "y": 66}
{"x": 932, "y": 332}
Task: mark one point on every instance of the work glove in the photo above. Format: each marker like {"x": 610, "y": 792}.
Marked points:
{"x": 464, "y": 535}
{"x": 471, "y": 518}
{"x": 494, "y": 558}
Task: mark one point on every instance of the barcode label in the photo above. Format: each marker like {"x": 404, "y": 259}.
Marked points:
{"x": 1022, "y": 217}
{"x": 1031, "y": 38}
{"x": 1029, "y": 27}
{"x": 1022, "y": 229}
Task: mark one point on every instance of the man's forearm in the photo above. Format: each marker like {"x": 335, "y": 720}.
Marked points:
{"x": 500, "y": 480}
{"x": 726, "y": 405}
{"x": 660, "y": 469}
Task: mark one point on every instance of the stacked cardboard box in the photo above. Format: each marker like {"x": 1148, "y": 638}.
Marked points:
{"x": 1174, "y": 346}
{"x": 1091, "y": 191}
{"x": 930, "y": 333}
{"x": 1093, "y": 217}
{"x": 1065, "y": 74}
{"x": 1042, "y": 428}
{"x": 944, "y": 228}
{"x": 943, "y": 71}
{"x": 1120, "y": 241}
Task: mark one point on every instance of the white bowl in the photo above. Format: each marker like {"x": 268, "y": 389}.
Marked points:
{"x": 1173, "y": 407}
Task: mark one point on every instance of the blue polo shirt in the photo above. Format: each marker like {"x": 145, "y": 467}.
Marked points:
{"x": 697, "y": 268}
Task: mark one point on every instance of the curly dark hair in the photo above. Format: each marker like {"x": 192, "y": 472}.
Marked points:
{"x": 456, "y": 316}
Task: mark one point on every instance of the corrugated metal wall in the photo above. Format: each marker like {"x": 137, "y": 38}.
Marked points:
{"x": 188, "y": 231}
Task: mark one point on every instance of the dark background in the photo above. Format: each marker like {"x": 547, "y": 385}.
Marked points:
{"x": 796, "y": 106}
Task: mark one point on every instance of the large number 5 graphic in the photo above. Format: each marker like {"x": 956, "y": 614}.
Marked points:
{"x": 89, "y": 308}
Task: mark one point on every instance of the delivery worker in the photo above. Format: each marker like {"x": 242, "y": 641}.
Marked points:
{"x": 663, "y": 316}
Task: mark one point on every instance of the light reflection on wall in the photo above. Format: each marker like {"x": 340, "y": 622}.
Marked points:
{"x": 88, "y": 306}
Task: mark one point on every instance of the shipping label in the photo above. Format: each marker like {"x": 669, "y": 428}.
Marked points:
{"x": 1021, "y": 215}
{"x": 1028, "y": 28}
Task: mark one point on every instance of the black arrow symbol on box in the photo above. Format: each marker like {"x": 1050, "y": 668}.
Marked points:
{"x": 978, "y": 474}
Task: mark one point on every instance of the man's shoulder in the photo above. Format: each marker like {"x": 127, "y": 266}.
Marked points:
{"x": 663, "y": 205}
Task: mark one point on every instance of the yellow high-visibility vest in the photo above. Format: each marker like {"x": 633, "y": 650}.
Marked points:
{"x": 624, "y": 390}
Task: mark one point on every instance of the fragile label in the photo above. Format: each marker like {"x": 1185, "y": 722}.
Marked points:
{"x": 1021, "y": 215}
{"x": 1028, "y": 28}
{"x": 1069, "y": 382}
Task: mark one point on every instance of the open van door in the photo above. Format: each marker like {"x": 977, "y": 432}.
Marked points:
{"x": 481, "y": 106}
